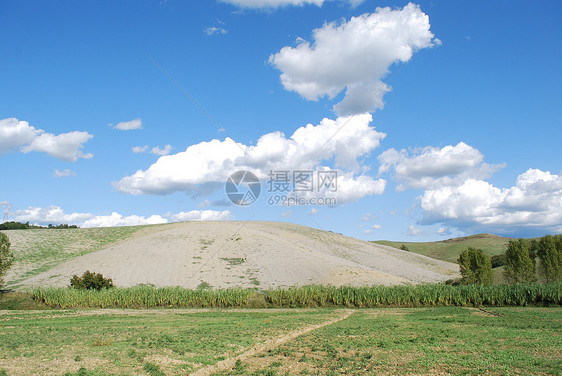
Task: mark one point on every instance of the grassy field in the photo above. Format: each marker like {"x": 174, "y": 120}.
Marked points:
{"x": 449, "y": 250}
{"x": 38, "y": 250}
{"x": 451, "y": 340}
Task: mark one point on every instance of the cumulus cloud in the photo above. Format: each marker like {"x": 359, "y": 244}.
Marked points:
{"x": 129, "y": 125}
{"x": 16, "y": 134}
{"x": 414, "y": 231}
{"x": 533, "y": 205}
{"x": 66, "y": 172}
{"x": 212, "y": 30}
{"x": 431, "y": 167}
{"x": 354, "y": 56}
{"x": 139, "y": 149}
{"x": 55, "y": 215}
{"x": 204, "y": 167}
{"x": 273, "y": 4}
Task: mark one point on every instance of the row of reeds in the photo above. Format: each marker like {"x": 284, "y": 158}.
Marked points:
{"x": 306, "y": 296}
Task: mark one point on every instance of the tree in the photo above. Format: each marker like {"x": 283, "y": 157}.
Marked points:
{"x": 549, "y": 253}
{"x": 475, "y": 267}
{"x": 6, "y": 256}
{"x": 519, "y": 264}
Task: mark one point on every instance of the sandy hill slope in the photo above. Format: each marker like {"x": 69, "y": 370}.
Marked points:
{"x": 235, "y": 253}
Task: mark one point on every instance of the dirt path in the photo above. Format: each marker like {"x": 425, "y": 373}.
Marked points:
{"x": 267, "y": 345}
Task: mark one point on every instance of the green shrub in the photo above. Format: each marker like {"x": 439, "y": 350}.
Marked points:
{"x": 6, "y": 257}
{"x": 91, "y": 281}
{"x": 475, "y": 267}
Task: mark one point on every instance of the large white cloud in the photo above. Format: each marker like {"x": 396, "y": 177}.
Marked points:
{"x": 55, "y": 215}
{"x": 273, "y": 4}
{"x": 431, "y": 167}
{"x": 354, "y": 55}
{"x": 207, "y": 165}
{"x": 16, "y": 134}
{"x": 533, "y": 204}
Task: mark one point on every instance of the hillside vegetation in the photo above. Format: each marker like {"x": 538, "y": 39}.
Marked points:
{"x": 450, "y": 249}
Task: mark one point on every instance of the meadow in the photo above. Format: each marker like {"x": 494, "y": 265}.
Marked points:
{"x": 453, "y": 340}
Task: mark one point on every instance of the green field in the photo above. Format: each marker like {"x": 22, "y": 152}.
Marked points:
{"x": 449, "y": 250}
{"x": 444, "y": 340}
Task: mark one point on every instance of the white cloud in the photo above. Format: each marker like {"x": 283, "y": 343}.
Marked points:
{"x": 287, "y": 214}
{"x": 367, "y": 232}
{"x": 273, "y": 4}
{"x": 443, "y": 231}
{"x": 50, "y": 215}
{"x": 212, "y": 30}
{"x": 129, "y": 125}
{"x": 355, "y": 55}
{"x": 167, "y": 149}
{"x": 16, "y": 134}
{"x": 534, "y": 204}
{"x": 376, "y": 227}
{"x": 414, "y": 231}
{"x": 139, "y": 149}
{"x": 63, "y": 173}
{"x": 434, "y": 167}
{"x": 313, "y": 211}
{"x": 204, "y": 167}
{"x": 204, "y": 204}
{"x": 164, "y": 151}
{"x": 202, "y": 215}
{"x": 116, "y": 219}
{"x": 55, "y": 215}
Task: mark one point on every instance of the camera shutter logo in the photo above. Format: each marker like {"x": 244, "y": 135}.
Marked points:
{"x": 243, "y": 188}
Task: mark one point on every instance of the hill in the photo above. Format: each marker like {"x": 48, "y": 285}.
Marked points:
{"x": 450, "y": 249}
{"x": 219, "y": 254}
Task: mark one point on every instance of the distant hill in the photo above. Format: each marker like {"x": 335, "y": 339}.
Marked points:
{"x": 450, "y": 249}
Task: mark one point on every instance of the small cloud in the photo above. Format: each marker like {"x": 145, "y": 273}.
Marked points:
{"x": 444, "y": 231}
{"x": 369, "y": 217}
{"x": 313, "y": 211}
{"x": 212, "y": 30}
{"x": 129, "y": 125}
{"x": 367, "y": 232}
{"x": 66, "y": 172}
{"x": 286, "y": 214}
{"x": 376, "y": 227}
{"x": 139, "y": 149}
{"x": 165, "y": 151}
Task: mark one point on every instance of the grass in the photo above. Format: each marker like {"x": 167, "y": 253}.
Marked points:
{"x": 444, "y": 340}
{"x": 306, "y": 296}
{"x": 157, "y": 342}
{"x": 449, "y": 250}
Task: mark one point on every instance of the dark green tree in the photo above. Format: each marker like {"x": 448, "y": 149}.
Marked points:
{"x": 549, "y": 253}
{"x": 6, "y": 257}
{"x": 519, "y": 263}
{"x": 91, "y": 281}
{"x": 475, "y": 267}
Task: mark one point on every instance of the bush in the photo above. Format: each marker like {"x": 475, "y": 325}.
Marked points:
{"x": 91, "y": 281}
{"x": 6, "y": 257}
{"x": 475, "y": 267}
{"x": 519, "y": 263}
{"x": 498, "y": 260}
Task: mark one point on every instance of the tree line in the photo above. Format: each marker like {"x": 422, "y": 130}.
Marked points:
{"x": 26, "y": 226}
{"x": 523, "y": 260}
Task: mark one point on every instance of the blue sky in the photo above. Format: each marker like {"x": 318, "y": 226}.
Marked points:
{"x": 460, "y": 133}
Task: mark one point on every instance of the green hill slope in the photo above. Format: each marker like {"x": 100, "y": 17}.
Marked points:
{"x": 450, "y": 249}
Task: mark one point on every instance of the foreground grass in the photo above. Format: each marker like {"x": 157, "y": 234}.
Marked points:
{"x": 306, "y": 296}
{"x": 455, "y": 340}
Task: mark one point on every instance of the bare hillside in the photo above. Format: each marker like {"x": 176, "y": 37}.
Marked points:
{"x": 245, "y": 254}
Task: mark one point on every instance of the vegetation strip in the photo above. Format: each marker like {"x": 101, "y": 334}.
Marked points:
{"x": 266, "y": 346}
{"x": 532, "y": 294}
